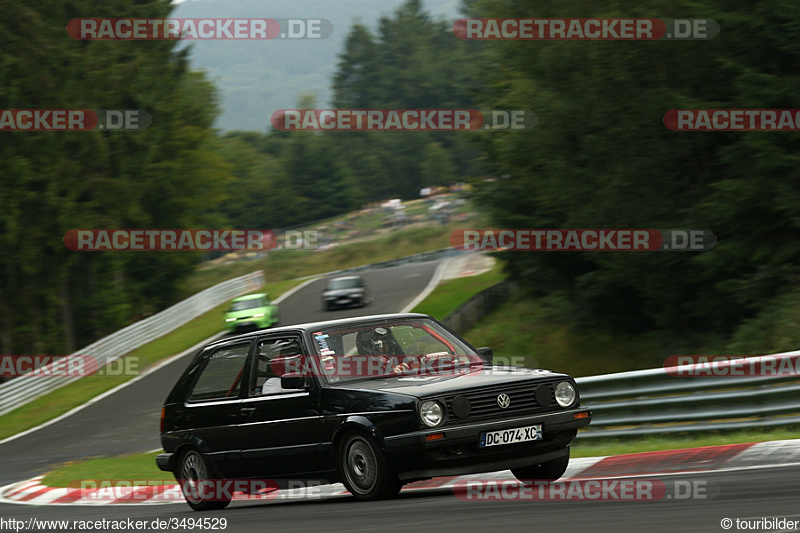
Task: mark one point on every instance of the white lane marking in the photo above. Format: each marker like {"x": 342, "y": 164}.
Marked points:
{"x": 435, "y": 279}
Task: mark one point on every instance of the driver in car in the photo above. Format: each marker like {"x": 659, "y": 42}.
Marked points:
{"x": 380, "y": 342}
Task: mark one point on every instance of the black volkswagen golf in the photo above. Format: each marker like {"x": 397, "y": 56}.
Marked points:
{"x": 374, "y": 402}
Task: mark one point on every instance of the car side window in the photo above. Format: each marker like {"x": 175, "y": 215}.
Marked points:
{"x": 273, "y": 357}
{"x": 221, "y": 376}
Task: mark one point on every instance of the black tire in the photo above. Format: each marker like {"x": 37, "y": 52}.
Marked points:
{"x": 192, "y": 469}
{"x": 551, "y": 470}
{"x": 364, "y": 469}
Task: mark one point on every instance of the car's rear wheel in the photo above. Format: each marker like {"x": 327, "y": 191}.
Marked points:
{"x": 550, "y": 470}
{"x": 365, "y": 471}
{"x": 192, "y": 473}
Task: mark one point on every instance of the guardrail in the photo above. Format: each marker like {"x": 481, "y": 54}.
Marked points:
{"x": 660, "y": 401}
{"x": 434, "y": 255}
{"x": 26, "y": 388}
{"x": 473, "y": 310}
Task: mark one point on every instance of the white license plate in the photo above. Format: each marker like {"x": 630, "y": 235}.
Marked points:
{"x": 511, "y": 436}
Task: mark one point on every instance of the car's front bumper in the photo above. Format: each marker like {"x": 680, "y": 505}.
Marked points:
{"x": 459, "y": 451}
{"x": 344, "y": 302}
{"x": 249, "y": 324}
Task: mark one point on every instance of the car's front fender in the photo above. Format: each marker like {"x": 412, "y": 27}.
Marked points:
{"x": 358, "y": 423}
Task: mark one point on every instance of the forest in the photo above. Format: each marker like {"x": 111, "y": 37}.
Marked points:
{"x": 600, "y": 156}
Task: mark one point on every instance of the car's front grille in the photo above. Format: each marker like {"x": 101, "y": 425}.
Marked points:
{"x": 523, "y": 397}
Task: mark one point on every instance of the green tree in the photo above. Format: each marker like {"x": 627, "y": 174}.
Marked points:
{"x": 601, "y": 157}
{"x": 53, "y": 299}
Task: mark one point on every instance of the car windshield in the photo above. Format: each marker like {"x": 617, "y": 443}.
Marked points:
{"x": 407, "y": 347}
{"x": 344, "y": 283}
{"x": 252, "y": 303}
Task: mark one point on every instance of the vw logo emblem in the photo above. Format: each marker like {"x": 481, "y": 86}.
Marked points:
{"x": 503, "y": 400}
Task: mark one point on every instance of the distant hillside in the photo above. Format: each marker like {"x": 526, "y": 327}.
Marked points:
{"x": 257, "y": 77}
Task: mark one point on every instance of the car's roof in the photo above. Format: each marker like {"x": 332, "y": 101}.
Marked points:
{"x": 345, "y": 277}
{"x": 315, "y": 326}
{"x": 249, "y": 297}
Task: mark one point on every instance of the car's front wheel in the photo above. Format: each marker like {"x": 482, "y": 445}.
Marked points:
{"x": 365, "y": 471}
{"x": 196, "y": 485}
{"x": 550, "y": 470}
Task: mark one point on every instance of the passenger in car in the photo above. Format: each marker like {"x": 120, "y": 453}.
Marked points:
{"x": 278, "y": 367}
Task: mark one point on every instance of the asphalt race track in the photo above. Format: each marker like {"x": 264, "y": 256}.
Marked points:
{"x": 127, "y": 422}
{"x": 748, "y": 494}
{"x": 392, "y": 289}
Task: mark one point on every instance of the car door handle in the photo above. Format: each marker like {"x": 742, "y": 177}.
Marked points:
{"x": 248, "y": 411}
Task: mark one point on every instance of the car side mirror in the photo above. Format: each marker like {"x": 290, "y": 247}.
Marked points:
{"x": 294, "y": 380}
{"x": 487, "y": 353}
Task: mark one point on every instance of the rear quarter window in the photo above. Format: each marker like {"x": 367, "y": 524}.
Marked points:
{"x": 221, "y": 376}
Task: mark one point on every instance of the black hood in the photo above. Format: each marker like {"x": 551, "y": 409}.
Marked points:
{"x": 427, "y": 385}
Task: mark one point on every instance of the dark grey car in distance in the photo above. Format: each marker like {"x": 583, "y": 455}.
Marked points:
{"x": 345, "y": 291}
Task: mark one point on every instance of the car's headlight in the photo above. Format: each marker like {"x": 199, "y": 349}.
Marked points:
{"x": 565, "y": 394}
{"x": 258, "y": 315}
{"x": 230, "y": 320}
{"x": 431, "y": 413}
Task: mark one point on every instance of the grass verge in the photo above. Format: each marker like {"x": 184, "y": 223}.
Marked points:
{"x": 596, "y": 447}
{"x": 70, "y": 396}
{"x": 141, "y": 467}
{"x": 451, "y": 293}
{"x": 538, "y": 331}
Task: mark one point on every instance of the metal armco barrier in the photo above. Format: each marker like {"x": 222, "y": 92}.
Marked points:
{"x": 434, "y": 255}
{"x": 473, "y": 310}
{"x": 23, "y": 389}
{"x": 655, "y": 401}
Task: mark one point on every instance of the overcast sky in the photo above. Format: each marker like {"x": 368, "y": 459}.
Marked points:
{"x": 256, "y": 78}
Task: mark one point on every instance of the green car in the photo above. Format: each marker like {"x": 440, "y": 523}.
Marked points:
{"x": 251, "y": 312}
